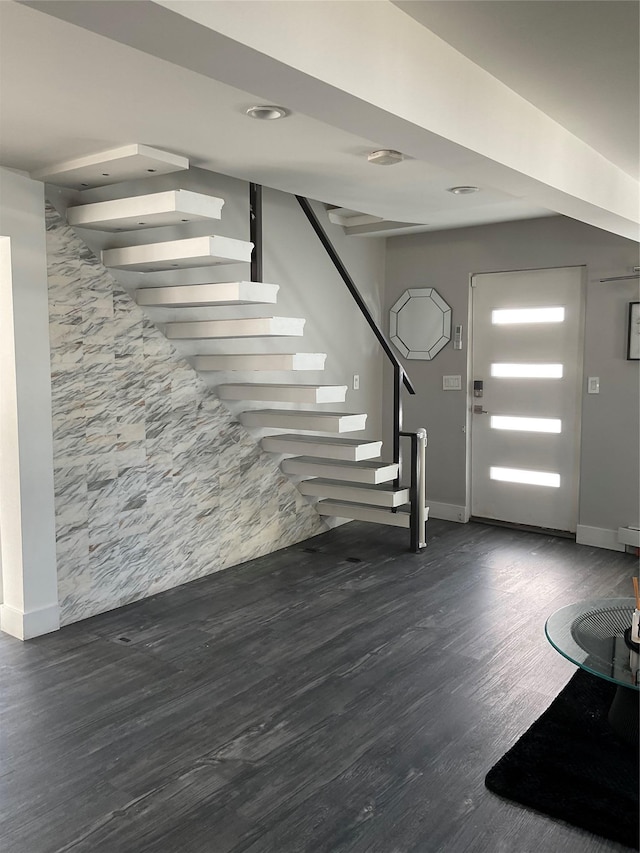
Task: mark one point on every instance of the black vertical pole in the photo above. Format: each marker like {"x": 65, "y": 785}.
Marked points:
{"x": 414, "y": 531}
{"x": 397, "y": 418}
{"x": 255, "y": 230}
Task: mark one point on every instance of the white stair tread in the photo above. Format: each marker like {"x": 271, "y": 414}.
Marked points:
{"x": 262, "y": 361}
{"x": 111, "y": 167}
{"x": 352, "y": 449}
{"x": 360, "y": 512}
{"x": 304, "y": 420}
{"x": 172, "y": 207}
{"x": 368, "y": 471}
{"x": 224, "y": 293}
{"x": 283, "y": 393}
{"x": 248, "y": 327}
{"x": 191, "y": 252}
{"x": 364, "y": 493}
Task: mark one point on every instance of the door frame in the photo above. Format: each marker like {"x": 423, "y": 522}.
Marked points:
{"x": 579, "y": 380}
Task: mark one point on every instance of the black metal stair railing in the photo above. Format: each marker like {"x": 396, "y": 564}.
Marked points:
{"x": 417, "y": 496}
{"x": 400, "y": 378}
{"x": 255, "y": 230}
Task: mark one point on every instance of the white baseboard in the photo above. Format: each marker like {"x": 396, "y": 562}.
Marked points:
{"x": 447, "y": 512}
{"x": 33, "y": 623}
{"x": 629, "y": 536}
{"x": 599, "y": 537}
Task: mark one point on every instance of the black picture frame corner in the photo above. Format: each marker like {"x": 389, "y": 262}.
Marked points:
{"x": 633, "y": 332}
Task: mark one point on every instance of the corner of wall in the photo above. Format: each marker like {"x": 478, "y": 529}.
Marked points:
{"x": 30, "y": 624}
{"x": 27, "y": 536}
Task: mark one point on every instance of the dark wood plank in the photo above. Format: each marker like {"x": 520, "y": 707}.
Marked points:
{"x": 341, "y": 696}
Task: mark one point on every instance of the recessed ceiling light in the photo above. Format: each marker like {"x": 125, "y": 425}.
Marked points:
{"x": 267, "y": 112}
{"x": 463, "y": 190}
{"x": 385, "y": 157}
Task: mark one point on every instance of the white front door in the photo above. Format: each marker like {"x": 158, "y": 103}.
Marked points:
{"x": 527, "y": 353}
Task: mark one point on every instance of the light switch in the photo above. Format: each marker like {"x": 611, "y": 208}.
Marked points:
{"x": 593, "y": 385}
{"x": 452, "y": 383}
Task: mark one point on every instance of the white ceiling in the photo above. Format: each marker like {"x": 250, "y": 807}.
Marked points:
{"x": 66, "y": 92}
{"x": 577, "y": 61}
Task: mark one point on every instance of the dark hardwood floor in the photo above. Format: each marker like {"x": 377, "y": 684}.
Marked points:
{"x": 340, "y": 695}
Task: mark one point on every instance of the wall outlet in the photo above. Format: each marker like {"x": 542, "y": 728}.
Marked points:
{"x": 356, "y": 381}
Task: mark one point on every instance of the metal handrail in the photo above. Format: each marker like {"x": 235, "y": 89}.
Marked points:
{"x": 353, "y": 290}
{"x": 417, "y": 488}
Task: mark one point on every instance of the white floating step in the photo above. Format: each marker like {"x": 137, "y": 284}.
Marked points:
{"x": 354, "y": 472}
{"x": 171, "y": 254}
{"x": 110, "y": 167}
{"x": 172, "y": 207}
{"x": 262, "y": 361}
{"x": 224, "y": 293}
{"x": 314, "y": 421}
{"x": 351, "y": 449}
{"x": 384, "y": 495}
{"x": 360, "y": 512}
{"x": 248, "y": 327}
{"x": 283, "y": 393}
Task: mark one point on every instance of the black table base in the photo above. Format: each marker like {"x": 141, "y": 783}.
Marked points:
{"x": 624, "y": 714}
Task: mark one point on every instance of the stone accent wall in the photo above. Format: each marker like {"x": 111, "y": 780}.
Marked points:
{"x": 156, "y": 483}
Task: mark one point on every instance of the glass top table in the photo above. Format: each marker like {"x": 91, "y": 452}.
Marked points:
{"x": 591, "y": 635}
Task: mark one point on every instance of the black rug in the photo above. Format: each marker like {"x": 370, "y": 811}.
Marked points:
{"x": 571, "y": 766}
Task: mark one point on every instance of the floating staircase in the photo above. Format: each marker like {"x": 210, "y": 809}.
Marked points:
{"x": 178, "y": 254}
{"x": 284, "y": 393}
{"x": 363, "y": 493}
{"x": 312, "y": 421}
{"x": 146, "y": 211}
{"x": 124, "y": 163}
{"x": 361, "y": 512}
{"x": 261, "y": 361}
{"x": 370, "y": 472}
{"x": 201, "y": 295}
{"x": 242, "y": 327}
{"x": 342, "y": 474}
{"x": 329, "y": 447}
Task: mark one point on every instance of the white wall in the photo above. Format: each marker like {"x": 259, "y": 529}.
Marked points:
{"x": 27, "y": 536}
{"x": 311, "y": 288}
{"x": 610, "y": 461}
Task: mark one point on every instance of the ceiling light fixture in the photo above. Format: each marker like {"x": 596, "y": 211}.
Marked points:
{"x": 385, "y": 157}
{"x": 463, "y": 190}
{"x": 267, "y": 112}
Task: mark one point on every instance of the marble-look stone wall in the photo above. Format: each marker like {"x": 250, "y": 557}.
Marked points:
{"x": 155, "y": 482}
